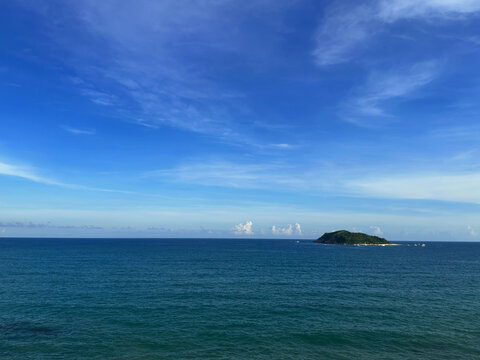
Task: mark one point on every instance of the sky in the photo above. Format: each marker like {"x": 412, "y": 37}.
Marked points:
{"x": 258, "y": 119}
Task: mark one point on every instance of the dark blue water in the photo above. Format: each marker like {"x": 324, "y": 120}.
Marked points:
{"x": 237, "y": 299}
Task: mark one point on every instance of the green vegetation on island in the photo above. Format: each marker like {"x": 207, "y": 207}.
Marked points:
{"x": 344, "y": 237}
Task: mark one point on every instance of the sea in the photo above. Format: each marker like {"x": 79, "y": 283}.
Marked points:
{"x": 237, "y": 299}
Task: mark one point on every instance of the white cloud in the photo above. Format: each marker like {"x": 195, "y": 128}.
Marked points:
{"x": 25, "y": 173}
{"x": 471, "y": 231}
{"x": 152, "y": 58}
{"x": 243, "y": 229}
{"x": 393, "y": 84}
{"x": 298, "y": 229}
{"x": 459, "y": 188}
{"x": 341, "y": 32}
{"x": 31, "y": 174}
{"x": 79, "y": 131}
{"x": 281, "y": 146}
{"x": 393, "y": 10}
{"x": 382, "y": 87}
{"x": 282, "y": 231}
{"x": 288, "y": 230}
{"x": 99, "y": 97}
{"x": 345, "y": 30}
{"x": 376, "y": 230}
{"x": 237, "y": 175}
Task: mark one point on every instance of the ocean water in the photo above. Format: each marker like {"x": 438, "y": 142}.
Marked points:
{"x": 237, "y": 299}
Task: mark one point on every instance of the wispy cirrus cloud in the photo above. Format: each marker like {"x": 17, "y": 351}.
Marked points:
{"x": 398, "y": 84}
{"x": 408, "y": 185}
{"x": 350, "y": 29}
{"x": 282, "y": 146}
{"x": 347, "y": 29}
{"x": 341, "y": 32}
{"x": 77, "y": 131}
{"x": 236, "y": 175}
{"x": 458, "y": 133}
{"x": 453, "y": 187}
{"x": 157, "y": 64}
{"x": 32, "y": 174}
{"x": 27, "y": 173}
{"x": 406, "y": 9}
{"x": 99, "y": 97}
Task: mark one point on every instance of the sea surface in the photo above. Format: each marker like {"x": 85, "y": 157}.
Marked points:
{"x": 237, "y": 299}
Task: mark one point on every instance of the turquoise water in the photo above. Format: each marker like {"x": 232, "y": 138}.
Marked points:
{"x": 237, "y": 299}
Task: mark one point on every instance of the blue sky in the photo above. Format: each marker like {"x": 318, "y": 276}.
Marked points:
{"x": 240, "y": 119}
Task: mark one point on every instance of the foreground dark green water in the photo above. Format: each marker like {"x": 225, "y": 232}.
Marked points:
{"x": 237, "y": 299}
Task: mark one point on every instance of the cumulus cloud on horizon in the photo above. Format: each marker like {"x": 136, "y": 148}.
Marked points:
{"x": 376, "y": 230}
{"x": 288, "y": 230}
{"x": 243, "y": 229}
{"x": 471, "y": 231}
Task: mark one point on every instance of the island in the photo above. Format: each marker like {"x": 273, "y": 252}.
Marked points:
{"x": 344, "y": 237}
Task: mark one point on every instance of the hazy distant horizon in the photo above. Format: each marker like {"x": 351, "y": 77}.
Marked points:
{"x": 253, "y": 238}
